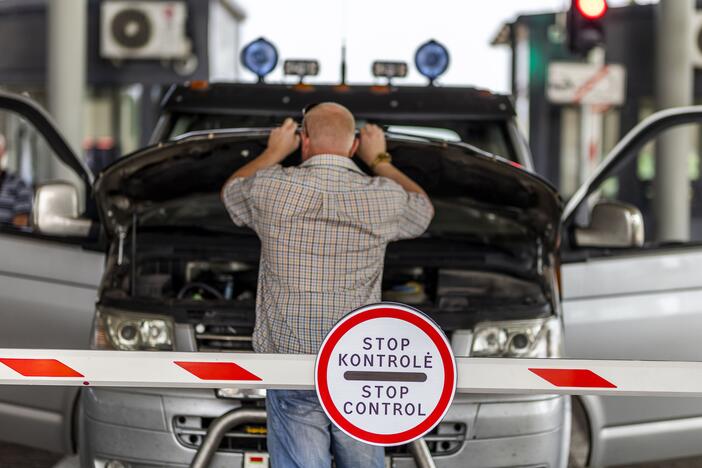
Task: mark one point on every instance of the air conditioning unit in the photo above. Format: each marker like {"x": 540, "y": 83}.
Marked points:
{"x": 144, "y": 30}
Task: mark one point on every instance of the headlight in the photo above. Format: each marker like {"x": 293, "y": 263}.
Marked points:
{"x": 518, "y": 338}
{"x": 130, "y": 331}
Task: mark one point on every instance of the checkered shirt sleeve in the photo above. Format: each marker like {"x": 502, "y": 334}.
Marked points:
{"x": 238, "y": 199}
{"x": 416, "y": 212}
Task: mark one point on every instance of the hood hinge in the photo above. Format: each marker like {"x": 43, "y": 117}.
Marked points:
{"x": 539, "y": 256}
{"x": 121, "y": 236}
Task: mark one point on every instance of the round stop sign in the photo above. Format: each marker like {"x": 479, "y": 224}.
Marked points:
{"x": 385, "y": 374}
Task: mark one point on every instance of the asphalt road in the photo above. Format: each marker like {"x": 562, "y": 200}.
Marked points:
{"x": 682, "y": 463}
{"x": 15, "y": 456}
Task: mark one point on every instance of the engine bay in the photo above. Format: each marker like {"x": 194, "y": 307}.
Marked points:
{"x": 210, "y": 284}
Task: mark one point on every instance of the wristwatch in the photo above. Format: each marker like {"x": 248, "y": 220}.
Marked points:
{"x": 381, "y": 158}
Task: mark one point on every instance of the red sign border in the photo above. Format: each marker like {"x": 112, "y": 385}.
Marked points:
{"x": 400, "y": 312}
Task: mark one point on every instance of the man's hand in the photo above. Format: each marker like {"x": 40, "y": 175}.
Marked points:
{"x": 283, "y": 140}
{"x": 372, "y": 143}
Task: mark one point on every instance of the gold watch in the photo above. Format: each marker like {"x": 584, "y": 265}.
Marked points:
{"x": 381, "y": 158}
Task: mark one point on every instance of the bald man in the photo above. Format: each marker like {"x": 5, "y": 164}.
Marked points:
{"x": 324, "y": 226}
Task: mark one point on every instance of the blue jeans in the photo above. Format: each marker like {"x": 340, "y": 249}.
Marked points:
{"x": 300, "y": 435}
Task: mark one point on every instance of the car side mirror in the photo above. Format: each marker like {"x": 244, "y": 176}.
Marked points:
{"x": 55, "y": 211}
{"x": 612, "y": 224}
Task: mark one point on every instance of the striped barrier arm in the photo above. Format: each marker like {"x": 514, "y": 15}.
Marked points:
{"x": 296, "y": 371}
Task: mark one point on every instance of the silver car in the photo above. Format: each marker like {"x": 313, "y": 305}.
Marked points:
{"x": 179, "y": 275}
{"x": 53, "y": 275}
{"x": 484, "y": 271}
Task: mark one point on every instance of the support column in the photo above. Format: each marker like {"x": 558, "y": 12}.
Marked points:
{"x": 674, "y": 87}
{"x": 66, "y": 73}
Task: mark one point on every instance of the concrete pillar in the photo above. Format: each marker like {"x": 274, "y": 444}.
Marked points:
{"x": 66, "y": 74}
{"x": 674, "y": 87}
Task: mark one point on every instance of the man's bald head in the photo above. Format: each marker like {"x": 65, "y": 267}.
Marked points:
{"x": 329, "y": 129}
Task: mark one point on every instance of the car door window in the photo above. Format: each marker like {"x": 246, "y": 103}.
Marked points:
{"x": 633, "y": 182}
{"x": 26, "y": 162}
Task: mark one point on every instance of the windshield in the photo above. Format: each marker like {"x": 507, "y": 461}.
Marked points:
{"x": 489, "y": 135}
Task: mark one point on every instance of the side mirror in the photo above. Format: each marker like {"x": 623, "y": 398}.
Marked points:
{"x": 55, "y": 211}
{"x": 612, "y": 224}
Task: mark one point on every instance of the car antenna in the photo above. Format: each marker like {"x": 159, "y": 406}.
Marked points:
{"x": 343, "y": 63}
{"x": 343, "y": 86}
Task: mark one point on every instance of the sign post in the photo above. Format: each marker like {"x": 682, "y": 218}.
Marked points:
{"x": 594, "y": 87}
{"x": 385, "y": 374}
{"x": 586, "y": 83}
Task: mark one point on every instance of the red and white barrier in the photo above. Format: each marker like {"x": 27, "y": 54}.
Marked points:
{"x": 296, "y": 371}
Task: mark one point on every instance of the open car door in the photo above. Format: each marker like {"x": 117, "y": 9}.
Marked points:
{"x": 49, "y": 274}
{"x": 629, "y": 295}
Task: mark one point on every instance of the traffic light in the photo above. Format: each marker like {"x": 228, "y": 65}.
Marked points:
{"x": 584, "y": 25}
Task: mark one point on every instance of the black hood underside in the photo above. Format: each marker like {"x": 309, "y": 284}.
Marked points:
{"x": 473, "y": 183}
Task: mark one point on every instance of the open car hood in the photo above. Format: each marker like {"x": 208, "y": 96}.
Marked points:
{"x": 179, "y": 182}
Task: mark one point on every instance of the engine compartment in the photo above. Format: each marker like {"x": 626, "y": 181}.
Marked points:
{"x": 210, "y": 284}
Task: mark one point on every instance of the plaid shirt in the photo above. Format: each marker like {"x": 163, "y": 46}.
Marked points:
{"x": 324, "y": 226}
{"x": 15, "y": 197}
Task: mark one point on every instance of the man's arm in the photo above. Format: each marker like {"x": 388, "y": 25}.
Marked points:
{"x": 386, "y": 169}
{"x": 281, "y": 142}
{"x": 372, "y": 144}
{"x": 417, "y": 210}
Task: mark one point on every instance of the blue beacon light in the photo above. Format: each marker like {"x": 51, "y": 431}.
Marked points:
{"x": 260, "y": 57}
{"x": 431, "y": 59}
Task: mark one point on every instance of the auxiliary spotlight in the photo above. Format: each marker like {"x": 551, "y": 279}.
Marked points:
{"x": 432, "y": 60}
{"x": 389, "y": 70}
{"x": 301, "y": 68}
{"x": 260, "y": 57}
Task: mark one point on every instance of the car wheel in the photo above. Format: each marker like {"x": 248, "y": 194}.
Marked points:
{"x": 579, "y": 436}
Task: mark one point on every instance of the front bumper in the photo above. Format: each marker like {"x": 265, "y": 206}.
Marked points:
{"x": 149, "y": 428}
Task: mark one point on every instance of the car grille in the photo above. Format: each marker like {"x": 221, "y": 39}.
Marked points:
{"x": 191, "y": 431}
{"x": 446, "y": 439}
{"x": 223, "y": 338}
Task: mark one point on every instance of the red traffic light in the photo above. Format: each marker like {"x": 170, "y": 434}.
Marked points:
{"x": 592, "y": 9}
